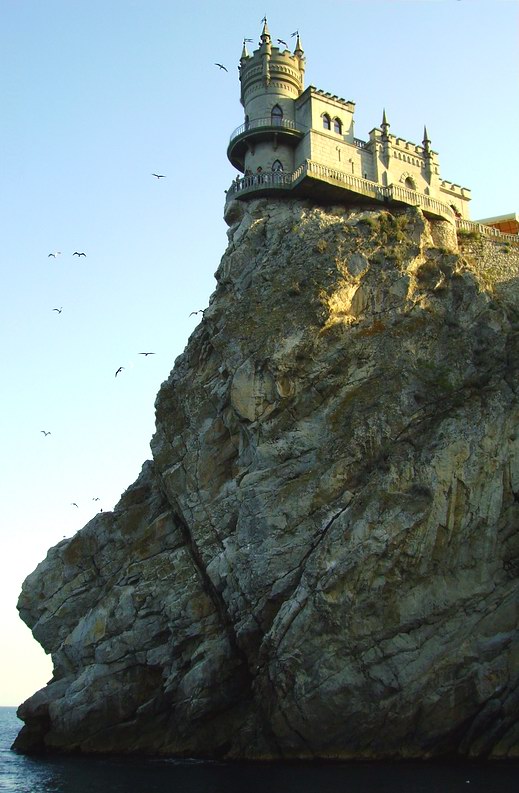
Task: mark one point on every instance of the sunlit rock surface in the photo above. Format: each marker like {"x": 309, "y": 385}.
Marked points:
{"x": 321, "y": 560}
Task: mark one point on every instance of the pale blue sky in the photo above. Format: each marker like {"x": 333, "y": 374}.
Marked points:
{"x": 98, "y": 94}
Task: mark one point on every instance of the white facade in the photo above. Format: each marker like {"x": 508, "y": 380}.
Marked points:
{"x": 298, "y": 131}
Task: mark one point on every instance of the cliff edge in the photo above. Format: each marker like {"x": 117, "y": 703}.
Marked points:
{"x": 321, "y": 559}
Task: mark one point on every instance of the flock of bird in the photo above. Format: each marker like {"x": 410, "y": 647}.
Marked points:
{"x": 54, "y": 255}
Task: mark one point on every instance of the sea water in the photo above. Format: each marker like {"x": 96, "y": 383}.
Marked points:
{"x": 21, "y": 774}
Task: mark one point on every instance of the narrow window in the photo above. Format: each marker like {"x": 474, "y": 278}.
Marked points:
{"x": 337, "y": 126}
{"x": 276, "y": 115}
{"x": 277, "y": 165}
{"x": 327, "y": 123}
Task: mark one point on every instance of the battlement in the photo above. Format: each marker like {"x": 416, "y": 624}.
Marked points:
{"x": 296, "y": 139}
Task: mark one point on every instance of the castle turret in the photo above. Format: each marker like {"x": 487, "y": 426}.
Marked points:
{"x": 271, "y": 80}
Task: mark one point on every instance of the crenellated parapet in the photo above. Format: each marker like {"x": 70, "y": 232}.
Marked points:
{"x": 291, "y": 130}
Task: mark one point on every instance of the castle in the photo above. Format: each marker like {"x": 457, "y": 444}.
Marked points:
{"x": 301, "y": 142}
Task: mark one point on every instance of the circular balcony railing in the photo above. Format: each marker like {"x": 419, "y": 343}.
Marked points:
{"x": 262, "y": 123}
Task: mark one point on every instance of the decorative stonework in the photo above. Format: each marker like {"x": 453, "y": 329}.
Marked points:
{"x": 384, "y": 159}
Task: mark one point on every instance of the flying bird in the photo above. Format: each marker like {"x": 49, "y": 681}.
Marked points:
{"x": 73, "y": 504}
{"x": 59, "y": 310}
{"x": 146, "y": 353}
{"x": 283, "y": 42}
{"x": 96, "y": 499}
{"x": 221, "y": 66}
{"x": 119, "y": 370}
{"x": 159, "y": 175}
{"x": 57, "y": 253}
{"x": 200, "y": 311}
{"x": 77, "y": 253}
{"x": 45, "y": 433}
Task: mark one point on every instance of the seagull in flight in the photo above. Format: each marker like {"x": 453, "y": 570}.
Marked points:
{"x": 96, "y": 499}
{"x": 283, "y": 42}
{"x": 45, "y": 433}
{"x": 77, "y": 253}
{"x": 221, "y": 66}
{"x": 57, "y": 253}
{"x": 200, "y": 311}
{"x": 119, "y": 370}
{"x": 159, "y": 175}
{"x": 59, "y": 310}
{"x": 73, "y": 504}
{"x": 146, "y": 353}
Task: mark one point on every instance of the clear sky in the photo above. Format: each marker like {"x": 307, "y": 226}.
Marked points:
{"x": 96, "y": 96}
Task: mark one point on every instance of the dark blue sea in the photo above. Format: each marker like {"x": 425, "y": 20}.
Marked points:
{"x": 19, "y": 774}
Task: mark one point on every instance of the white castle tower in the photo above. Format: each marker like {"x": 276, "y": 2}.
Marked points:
{"x": 301, "y": 141}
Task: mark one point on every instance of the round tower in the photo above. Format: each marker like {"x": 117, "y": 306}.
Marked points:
{"x": 272, "y": 78}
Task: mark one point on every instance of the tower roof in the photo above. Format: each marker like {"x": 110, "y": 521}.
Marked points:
{"x": 265, "y": 33}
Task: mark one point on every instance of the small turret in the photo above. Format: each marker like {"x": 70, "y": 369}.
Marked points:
{"x": 265, "y": 33}
{"x": 385, "y": 126}
{"x": 244, "y": 53}
{"x": 298, "y": 52}
{"x": 426, "y": 143}
{"x": 265, "y": 51}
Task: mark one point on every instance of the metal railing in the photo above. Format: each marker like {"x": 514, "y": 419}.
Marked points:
{"x": 258, "y": 123}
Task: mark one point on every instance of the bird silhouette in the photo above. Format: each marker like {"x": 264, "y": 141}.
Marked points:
{"x": 45, "y": 433}
{"x": 73, "y": 504}
{"x": 119, "y": 370}
{"x": 57, "y": 253}
{"x": 159, "y": 175}
{"x": 59, "y": 310}
{"x": 96, "y": 499}
{"x": 146, "y": 353}
{"x": 200, "y": 311}
{"x": 221, "y": 66}
{"x": 283, "y": 42}
{"x": 77, "y": 253}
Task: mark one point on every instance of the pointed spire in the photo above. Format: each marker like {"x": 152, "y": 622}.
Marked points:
{"x": 265, "y": 34}
{"x": 385, "y": 125}
{"x": 426, "y": 143}
{"x": 299, "y": 48}
{"x": 244, "y": 52}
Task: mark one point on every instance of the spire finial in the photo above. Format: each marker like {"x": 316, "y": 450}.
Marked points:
{"x": 298, "y": 48}
{"x": 426, "y": 143}
{"x": 385, "y": 124}
{"x": 265, "y": 34}
{"x": 245, "y": 52}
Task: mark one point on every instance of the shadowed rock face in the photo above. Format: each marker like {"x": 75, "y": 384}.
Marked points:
{"x": 321, "y": 559}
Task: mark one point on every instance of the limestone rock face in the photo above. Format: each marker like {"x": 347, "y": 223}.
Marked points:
{"x": 321, "y": 559}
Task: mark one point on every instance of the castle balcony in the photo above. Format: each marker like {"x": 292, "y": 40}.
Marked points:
{"x": 251, "y": 132}
{"x": 313, "y": 180}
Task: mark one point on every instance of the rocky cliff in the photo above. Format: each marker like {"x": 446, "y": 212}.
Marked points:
{"x": 321, "y": 559}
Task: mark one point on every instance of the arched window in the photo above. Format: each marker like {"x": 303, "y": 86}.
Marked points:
{"x": 410, "y": 183}
{"x": 276, "y": 115}
{"x": 337, "y": 126}
{"x": 327, "y": 122}
{"x": 277, "y": 166}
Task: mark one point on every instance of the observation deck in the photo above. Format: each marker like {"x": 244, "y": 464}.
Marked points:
{"x": 259, "y": 129}
{"x": 312, "y": 179}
